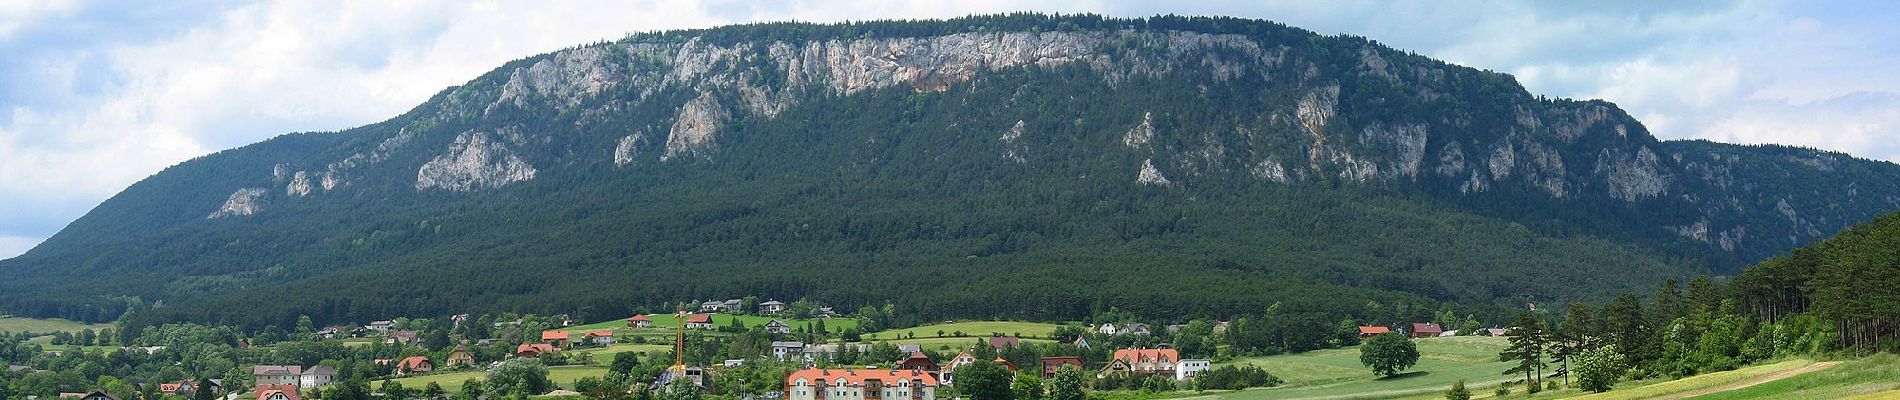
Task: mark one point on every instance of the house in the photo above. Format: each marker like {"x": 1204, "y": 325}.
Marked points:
{"x": 600, "y": 338}
{"x": 459, "y": 319}
{"x": 172, "y": 389}
{"x": 1426, "y": 329}
{"x": 918, "y": 362}
{"x": 1052, "y": 363}
{"x": 696, "y": 375}
{"x": 735, "y": 305}
{"x": 1449, "y": 333}
{"x": 276, "y": 374}
{"x": 1370, "y": 331}
{"x": 1107, "y": 329}
{"x": 826, "y": 351}
{"x": 948, "y": 374}
{"x": 277, "y": 392}
{"x": 1004, "y": 341}
{"x": 699, "y": 321}
{"x": 414, "y": 365}
{"x": 733, "y": 363}
{"x": 97, "y": 395}
{"x": 1079, "y": 342}
{"x": 1494, "y": 331}
{"x": 329, "y": 332}
{"x": 909, "y": 348}
{"x": 856, "y": 384}
{"x": 771, "y": 307}
{"x": 321, "y": 375}
{"x": 712, "y": 306}
{"x": 558, "y": 339}
{"x": 824, "y": 312}
{"x": 533, "y": 350}
{"x": 1185, "y": 369}
{"x": 406, "y": 338}
{"x": 1135, "y": 329}
{"x": 1142, "y": 362}
{"x": 380, "y": 326}
{"x": 460, "y": 357}
{"x": 1176, "y": 328}
{"x": 785, "y": 350}
{"x": 1007, "y": 364}
{"x": 639, "y": 321}
{"x": 777, "y": 326}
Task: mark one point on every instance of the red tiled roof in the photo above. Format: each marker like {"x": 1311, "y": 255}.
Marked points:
{"x": 600, "y": 334}
{"x": 553, "y": 335}
{"x": 1136, "y": 355}
{"x": 641, "y": 317}
{"x": 699, "y": 319}
{"x": 289, "y": 391}
{"x": 1426, "y": 327}
{"x": 856, "y": 377}
{"x": 1373, "y": 330}
{"x": 412, "y": 362}
{"x": 169, "y": 388}
{"x": 536, "y": 348}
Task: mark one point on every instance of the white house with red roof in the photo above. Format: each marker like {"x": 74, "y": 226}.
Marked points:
{"x": 860, "y": 384}
{"x": 1142, "y": 362}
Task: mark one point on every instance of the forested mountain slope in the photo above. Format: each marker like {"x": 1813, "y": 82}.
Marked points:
{"x": 999, "y": 166}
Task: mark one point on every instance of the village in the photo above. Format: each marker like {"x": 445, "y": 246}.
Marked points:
{"x": 744, "y": 348}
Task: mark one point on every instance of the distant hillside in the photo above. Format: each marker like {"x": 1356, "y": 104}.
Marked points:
{"x": 1019, "y": 166}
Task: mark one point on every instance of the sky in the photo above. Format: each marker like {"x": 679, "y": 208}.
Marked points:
{"x": 96, "y": 95}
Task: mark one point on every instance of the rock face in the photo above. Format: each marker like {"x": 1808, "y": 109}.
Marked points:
{"x": 1149, "y": 175}
{"x": 693, "y": 130}
{"x": 474, "y": 161}
{"x": 1142, "y": 133}
{"x": 243, "y": 202}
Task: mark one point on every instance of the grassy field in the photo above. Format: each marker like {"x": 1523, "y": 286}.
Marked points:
{"x": 605, "y": 355}
{"x": 1869, "y": 375}
{"x": 1640, "y": 390}
{"x": 16, "y": 324}
{"x": 1337, "y": 373}
{"x": 969, "y": 328}
{"x": 951, "y": 343}
{"x": 561, "y": 376}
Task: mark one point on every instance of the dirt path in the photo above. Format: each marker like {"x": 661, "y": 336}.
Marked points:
{"x": 1752, "y": 382}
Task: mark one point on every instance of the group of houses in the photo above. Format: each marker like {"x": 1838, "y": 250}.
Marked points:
{"x": 917, "y": 377}
{"x": 1424, "y": 330}
{"x": 768, "y": 307}
{"x": 701, "y": 322}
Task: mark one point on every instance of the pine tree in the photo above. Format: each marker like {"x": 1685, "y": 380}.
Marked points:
{"x": 1458, "y": 391}
{"x": 1527, "y": 337}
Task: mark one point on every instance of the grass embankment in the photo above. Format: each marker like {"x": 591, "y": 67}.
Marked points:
{"x": 1876, "y": 376}
{"x": 1337, "y": 373}
{"x": 35, "y": 325}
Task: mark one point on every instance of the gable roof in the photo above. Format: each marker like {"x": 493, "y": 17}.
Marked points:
{"x": 1138, "y": 355}
{"x": 600, "y": 334}
{"x": 856, "y": 377}
{"x": 1373, "y": 330}
{"x": 699, "y": 319}
{"x": 1426, "y": 327}
{"x": 320, "y": 370}
{"x": 536, "y": 348}
{"x": 1003, "y": 341}
{"x": 640, "y": 318}
{"x": 777, "y": 323}
{"x": 270, "y": 392}
{"x": 553, "y": 335}
{"x": 413, "y": 362}
{"x": 276, "y": 370}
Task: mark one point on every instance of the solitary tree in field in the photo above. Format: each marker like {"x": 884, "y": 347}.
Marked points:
{"x": 1388, "y": 353}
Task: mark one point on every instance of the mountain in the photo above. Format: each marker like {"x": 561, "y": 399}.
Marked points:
{"x": 1021, "y": 165}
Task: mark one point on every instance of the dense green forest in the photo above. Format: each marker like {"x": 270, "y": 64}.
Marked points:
{"x": 1012, "y": 194}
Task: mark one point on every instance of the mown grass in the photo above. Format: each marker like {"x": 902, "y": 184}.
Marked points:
{"x": 1641, "y": 390}
{"x": 36, "y": 325}
{"x": 1337, "y": 373}
{"x": 1869, "y": 375}
{"x": 452, "y": 381}
{"x": 973, "y": 329}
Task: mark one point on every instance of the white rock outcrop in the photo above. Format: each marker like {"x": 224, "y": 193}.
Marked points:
{"x": 628, "y": 147}
{"x": 695, "y": 128}
{"x": 243, "y": 202}
{"x": 1149, "y": 175}
{"x": 473, "y": 161}
{"x": 1141, "y": 133}
{"x": 299, "y": 184}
